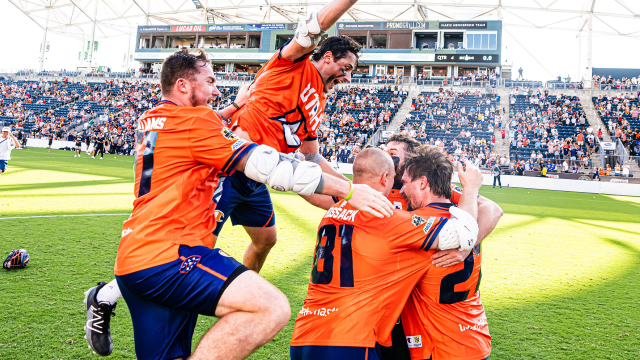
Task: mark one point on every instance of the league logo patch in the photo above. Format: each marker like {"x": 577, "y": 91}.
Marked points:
{"x": 414, "y": 341}
{"x": 417, "y": 220}
{"x": 189, "y": 263}
{"x": 228, "y": 134}
{"x": 457, "y": 189}
{"x": 429, "y": 224}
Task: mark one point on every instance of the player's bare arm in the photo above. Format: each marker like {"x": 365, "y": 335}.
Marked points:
{"x": 241, "y": 99}
{"x": 310, "y": 149}
{"x": 310, "y": 29}
{"x": 285, "y": 173}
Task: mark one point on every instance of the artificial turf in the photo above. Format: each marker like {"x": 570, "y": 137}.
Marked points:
{"x": 561, "y": 272}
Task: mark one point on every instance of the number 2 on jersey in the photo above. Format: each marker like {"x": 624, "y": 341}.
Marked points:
{"x": 322, "y": 272}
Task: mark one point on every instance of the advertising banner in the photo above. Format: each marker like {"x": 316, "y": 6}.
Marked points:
{"x": 225, "y": 28}
{"x": 406, "y": 25}
{"x": 463, "y": 25}
{"x": 188, "y": 28}
{"x": 363, "y": 25}
{"x": 260, "y": 27}
{"x": 154, "y": 28}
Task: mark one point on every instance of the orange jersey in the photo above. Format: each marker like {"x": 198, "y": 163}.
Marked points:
{"x": 444, "y": 316}
{"x": 179, "y": 153}
{"x": 364, "y": 269}
{"x": 399, "y": 202}
{"x": 286, "y": 104}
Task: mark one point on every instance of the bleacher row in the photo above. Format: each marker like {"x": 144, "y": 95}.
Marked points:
{"x": 633, "y": 123}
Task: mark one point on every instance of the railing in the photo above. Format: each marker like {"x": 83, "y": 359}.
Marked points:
{"x": 614, "y": 87}
{"x": 375, "y": 138}
{"x": 622, "y": 151}
{"x": 564, "y": 85}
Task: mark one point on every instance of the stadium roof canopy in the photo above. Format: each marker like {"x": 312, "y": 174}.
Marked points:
{"x": 99, "y": 19}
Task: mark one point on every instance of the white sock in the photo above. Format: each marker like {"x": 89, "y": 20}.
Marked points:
{"x": 109, "y": 293}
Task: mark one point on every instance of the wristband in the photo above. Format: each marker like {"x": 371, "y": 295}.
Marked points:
{"x": 350, "y": 192}
{"x": 235, "y": 105}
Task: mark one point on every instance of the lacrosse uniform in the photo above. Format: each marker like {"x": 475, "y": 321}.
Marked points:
{"x": 364, "y": 269}
{"x": 285, "y": 107}
{"x": 399, "y": 202}
{"x": 444, "y": 316}
{"x": 166, "y": 268}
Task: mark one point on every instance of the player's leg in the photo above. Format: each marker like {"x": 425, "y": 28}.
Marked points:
{"x": 248, "y": 203}
{"x": 399, "y": 349}
{"x": 252, "y": 312}
{"x": 3, "y": 166}
{"x": 262, "y": 240}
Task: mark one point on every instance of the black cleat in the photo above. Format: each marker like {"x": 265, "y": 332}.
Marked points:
{"x": 98, "y": 326}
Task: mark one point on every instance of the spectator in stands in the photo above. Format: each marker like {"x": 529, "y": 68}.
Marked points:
{"x": 626, "y": 169}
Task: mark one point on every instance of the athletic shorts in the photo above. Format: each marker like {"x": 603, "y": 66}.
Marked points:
{"x": 332, "y": 353}
{"x": 78, "y": 146}
{"x": 246, "y": 201}
{"x": 165, "y": 300}
{"x": 3, "y": 165}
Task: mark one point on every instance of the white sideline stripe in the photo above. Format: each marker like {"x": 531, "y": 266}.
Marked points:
{"x": 80, "y": 215}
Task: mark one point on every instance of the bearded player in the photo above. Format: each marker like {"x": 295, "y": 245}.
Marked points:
{"x": 166, "y": 267}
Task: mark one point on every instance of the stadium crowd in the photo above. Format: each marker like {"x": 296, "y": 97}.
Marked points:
{"x": 604, "y": 82}
{"x": 62, "y": 110}
{"x": 353, "y": 114}
{"x": 461, "y": 123}
{"x": 549, "y": 131}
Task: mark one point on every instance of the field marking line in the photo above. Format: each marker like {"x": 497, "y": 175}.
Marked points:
{"x": 80, "y": 215}
{"x": 67, "y": 167}
{"x": 557, "y": 197}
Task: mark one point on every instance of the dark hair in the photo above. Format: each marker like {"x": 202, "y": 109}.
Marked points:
{"x": 410, "y": 143}
{"x": 431, "y": 163}
{"x": 181, "y": 65}
{"x": 339, "y": 46}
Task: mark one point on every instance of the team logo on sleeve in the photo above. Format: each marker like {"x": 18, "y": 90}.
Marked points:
{"x": 417, "y": 220}
{"x": 429, "y": 224}
{"x": 219, "y": 215}
{"x": 228, "y": 134}
{"x": 189, "y": 263}
{"x": 414, "y": 341}
{"x": 457, "y": 189}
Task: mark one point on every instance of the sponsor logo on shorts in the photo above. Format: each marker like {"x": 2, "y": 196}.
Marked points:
{"x": 475, "y": 327}
{"x": 219, "y": 215}
{"x": 189, "y": 263}
{"x": 236, "y": 145}
{"x": 414, "y": 341}
{"x": 429, "y": 224}
{"x": 221, "y": 252}
{"x": 228, "y": 134}
{"x": 126, "y": 232}
{"x": 320, "y": 312}
{"x": 417, "y": 220}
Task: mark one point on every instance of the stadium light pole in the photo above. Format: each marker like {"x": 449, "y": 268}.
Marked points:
{"x": 43, "y": 47}
{"x": 93, "y": 36}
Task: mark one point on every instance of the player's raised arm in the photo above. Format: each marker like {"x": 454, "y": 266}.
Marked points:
{"x": 310, "y": 29}
{"x": 311, "y": 151}
{"x": 285, "y": 173}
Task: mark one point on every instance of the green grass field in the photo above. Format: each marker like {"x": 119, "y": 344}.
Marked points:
{"x": 561, "y": 272}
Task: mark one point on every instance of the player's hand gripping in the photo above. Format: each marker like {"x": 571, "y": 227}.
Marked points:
{"x": 446, "y": 258}
{"x": 367, "y": 199}
{"x": 470, "y": 176}
{"x": 243, "y": 95}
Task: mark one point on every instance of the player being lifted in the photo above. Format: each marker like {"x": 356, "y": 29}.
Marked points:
{"x": 166, "y": 266}
{"x": 284, "y": 110}
{"x": 365, "y": 268}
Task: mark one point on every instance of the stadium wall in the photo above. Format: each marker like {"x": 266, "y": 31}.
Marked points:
{"x": 616, "y": 73}
{"x": 540, "y": 183}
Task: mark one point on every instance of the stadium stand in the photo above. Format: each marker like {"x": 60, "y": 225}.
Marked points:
{"x": 353, "y": 114}
{"x": 620, "y": 114}
{"x": 459, "y": 122}
{"x": 548, "y": 129}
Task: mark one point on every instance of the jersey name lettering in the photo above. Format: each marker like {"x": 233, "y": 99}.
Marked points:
{"x": 344, "y": 214}
{"x": 312, "y": 106}
{"x": 151, "y": 124}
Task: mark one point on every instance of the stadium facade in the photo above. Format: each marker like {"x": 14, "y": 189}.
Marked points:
{"x": 437, "y": 49}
